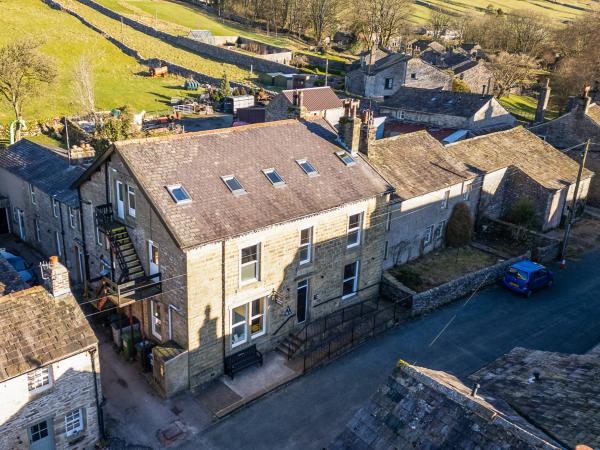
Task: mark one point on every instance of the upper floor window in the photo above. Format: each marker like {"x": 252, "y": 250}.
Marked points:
{"x": 131, "y": 201}
{"x": 71, "y": 217}
{"x": 274, "y": 177}
{"x": 467, "y": 191}
{"x": 74, "y": 422}
{"x": 346, "y": 157}
{"x": 233, "y": 184}
{"x": 32, "y": 193}
{"x": 307, "y": 167}
{"x": 446, "y": 200}
{"x": 179, "y": 194}
{"x": 250, "y": 264}
{"x": 413, "y": 76}
{"x": 389, "y": 83}
{"x": 39, "y": 379}
{"x": 55, "y": 207}
{"x": 354, "y": 229}
{"x": 350, "y": 284}
{"x": 306, "y": 245}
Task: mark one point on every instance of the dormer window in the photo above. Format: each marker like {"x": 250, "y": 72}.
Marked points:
{"x": 234, "y": 185}
{"x": 346, "y": 157}
{"x": 307, "y": 167}
{"x": 179, "y": 194}
{"x": 274, "y": 177}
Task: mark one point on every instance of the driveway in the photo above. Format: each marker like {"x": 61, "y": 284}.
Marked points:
{"x": 311, "y": 411}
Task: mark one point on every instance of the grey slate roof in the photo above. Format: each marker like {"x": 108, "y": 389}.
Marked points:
{"x": 10, "y": 281}
{"x": 316, "y": 98}
{"x": 38, "y": 329}
{"x": 419, "y": 408}
{"x": 435, "y": 101}
{"x": 565, "y": 400}
{"x": 199, "y": 160}
{"x": 44, "y": 168}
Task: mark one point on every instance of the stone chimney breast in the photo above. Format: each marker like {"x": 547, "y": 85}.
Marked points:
{"x": 55, "y": 277}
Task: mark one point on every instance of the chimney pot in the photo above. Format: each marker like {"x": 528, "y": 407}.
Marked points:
{"x": 54, "y": 260}
{"x": 55, "y": 278}
{"x": 475, "y": 389}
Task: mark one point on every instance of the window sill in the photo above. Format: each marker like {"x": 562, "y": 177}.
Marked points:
{"x": 248, "y": 282}
{"x": 353, "y": 245}
{"x": 237, "y": 344}
{"x": 347, "y": 296}
{"x": 257, "y": 335}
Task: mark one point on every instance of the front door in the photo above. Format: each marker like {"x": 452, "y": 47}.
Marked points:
{"x": 4, "y": 220}
{"x": 21, "y": 220}
{"x": 120, "y": 200}
{"x": 153, "y": 259}
{"x": 302, "y": 301}
{"x": 156, "y": 312}
{"x": 41, "y": 435}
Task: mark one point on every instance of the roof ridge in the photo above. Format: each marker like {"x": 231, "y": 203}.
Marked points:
{"x": 518, "y": 127}
{"x": 308, "y": 88}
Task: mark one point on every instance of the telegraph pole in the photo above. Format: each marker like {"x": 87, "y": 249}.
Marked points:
{"x": 563, "y": 253}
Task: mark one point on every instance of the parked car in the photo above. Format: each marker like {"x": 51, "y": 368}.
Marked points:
{"x": 525, "y": 277}
{"x": 24, "y": 269}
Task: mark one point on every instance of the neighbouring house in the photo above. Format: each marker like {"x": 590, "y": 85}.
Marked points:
{"x": 269, "y": 227}
{"x": 419, "y": 407}
{"x": 476, "y": 75}
{"x": 516, "y": 164}
{"x": 446, "y": 109}
{"x": 580, "y": 123}
{"x": 316, "y": 101}
{"x": 49, "y": 367}
{"x": 472, "y": 49}
{"x": 288, "y": 80}
{"x": 42, "y": 208}
{"x": 380, "y": 74}
{"x": 428, "y": 184}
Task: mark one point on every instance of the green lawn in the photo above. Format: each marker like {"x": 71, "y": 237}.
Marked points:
{"x": 524, "y": 107}
{"x": 118, "y": 78}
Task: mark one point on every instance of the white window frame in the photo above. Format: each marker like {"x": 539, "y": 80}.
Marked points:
{"x": 428, "y": 237}
{"x": 39, "y": 380}
{"x": 32, "y": 194}
{"x": 36, "y": 225}
{"x": 256, "y": 262}
{"x": 302, "y": 162}
{"x": 236, "y": 192}
{"x": 357, "y": 230}
{"x": 401, "y": 114}
{"x": 57, "y": 239}
{"x": 307, "y": 246}
{"x": 354, "y": 277}
{"x": 130, "y": 193}
{"x": 74, "y": 422}
{"x": 156, "y": 318}
{"x": 247, "y": 322}
{"x": 346, "y": 158}
{"x": 274, "y": 172}
{"x": 55, "y": 207}
{"x": 389, "y": 85}
{"x": 252, "y": 317}
{"x": 71, "y": 217}
{"x": 467, "y": 192}
{"x": 237, "y": 324}
{"x": 388, "y": 221}
{"x": 174, "y": 187}
{"x": 446, "y": 200}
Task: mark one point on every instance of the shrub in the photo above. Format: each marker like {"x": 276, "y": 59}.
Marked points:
{"x": 523, "y": 213}
{"x": 459, "y": 85}
{"x": 460, "y": 226}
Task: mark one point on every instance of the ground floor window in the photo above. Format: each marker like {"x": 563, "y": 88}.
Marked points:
{"x": 427, "y": 238}
{"x": 74, "y": 422}
{"x": 249, "y": 316}
{"x": 350, "y": 285}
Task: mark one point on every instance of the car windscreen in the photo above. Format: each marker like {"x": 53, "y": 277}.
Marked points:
{"x": 519, "y": 274}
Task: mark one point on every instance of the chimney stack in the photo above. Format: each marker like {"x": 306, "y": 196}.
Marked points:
{"x": 367, "y": 132}
{"x": 297, "y": 110}
{"x": 474, "y": 390}
{"x": 543, "y": 102}
{"x": 55, "y": 278}
{"x": 349, "y": 127}
{"x": 582, "y": 103}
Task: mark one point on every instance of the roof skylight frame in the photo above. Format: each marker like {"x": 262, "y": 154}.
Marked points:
{"x": 172, "y": 188}
{"x": 346, "y": 157}
{"x": 230, "y": 181}
{"x": 274, "y": 177}
{"x": 307, "y": 167}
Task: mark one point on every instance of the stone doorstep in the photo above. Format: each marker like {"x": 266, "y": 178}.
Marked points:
{"x": 256, "y": 395}
{"x": 169, "y": 435}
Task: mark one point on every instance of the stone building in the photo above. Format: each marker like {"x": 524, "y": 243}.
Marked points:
{"x": 49, "y": 368}
{"x": 313, "y": 102}
{"x": 516, "y": 164}
{"x": 43, "y": 208}
{"x": 380, "y": 74}
{"x": 269, "y": 226}
{"x": 447, "y": 109}
{"x": 478, "y": 77}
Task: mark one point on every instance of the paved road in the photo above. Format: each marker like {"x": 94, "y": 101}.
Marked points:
{"x": 311, "y": 411}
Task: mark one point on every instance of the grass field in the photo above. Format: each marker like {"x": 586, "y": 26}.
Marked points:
{"x": 118, "y": 78}
{"x": 524, "y": 107}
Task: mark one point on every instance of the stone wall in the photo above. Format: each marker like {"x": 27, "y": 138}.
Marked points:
{"x": 477, "y": 78}
{"x": 459, "y": 287}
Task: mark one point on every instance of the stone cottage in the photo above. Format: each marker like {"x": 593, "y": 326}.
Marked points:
{"x": 516, "y": 164}
{"x": 380, "y": 74}
{"x": 268, "y": 227}
{"x": 49, "y": 368}
{"x": 447, "y": 109}
{"x": 317, "y": 101}
{"x": 42, "y": 208}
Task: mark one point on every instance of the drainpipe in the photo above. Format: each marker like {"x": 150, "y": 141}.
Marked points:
{"x": 107, "y": 195}
{"x": 86, "y": 257}
{"x": 223, "y": 298}
{"x": 92, "y": 353}
{"x": 62, "y": 232}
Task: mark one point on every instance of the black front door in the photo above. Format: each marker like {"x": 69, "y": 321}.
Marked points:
{"x": 302, "y": 303}
{"x": 3, "y": 220}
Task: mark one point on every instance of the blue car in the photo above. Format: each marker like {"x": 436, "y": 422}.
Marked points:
{"x": 525, "y": 277}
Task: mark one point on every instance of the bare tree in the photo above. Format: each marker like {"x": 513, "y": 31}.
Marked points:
{"x": 323, "y": 16}
{"x": 439, "y": 23}
{"x": 22, "y": 70}
{"x": 382, "y": 19}
{"x": 527, "y": 33}
{"x": 83, "y": 86}
{"x": 512, "y": 70}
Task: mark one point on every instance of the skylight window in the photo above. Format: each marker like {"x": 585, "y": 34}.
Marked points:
{"x": 345, "y": 157}
{"x": 179, "y": 194}
{"x": 307, "y": 167}
{"x": 274, "y": 177}
{"x": 234, "y": 185}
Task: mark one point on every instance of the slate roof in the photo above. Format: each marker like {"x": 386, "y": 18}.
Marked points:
{"x": 435, "y": 101}
{"x": 519, "y": 148}
{"x": 565, "y": 400}
{"x": 38, "y": 329}
{"x": 594, "y": 113}
{"x": 316, "y": 98}
{"x": 44, "y": 168}
{"x": 464, "y": 67}
{"x": 420, "y": 408}
{"x": 10, "y": 281}
{"x": 199, "y": 160}
{"x": 416, "y": 164}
